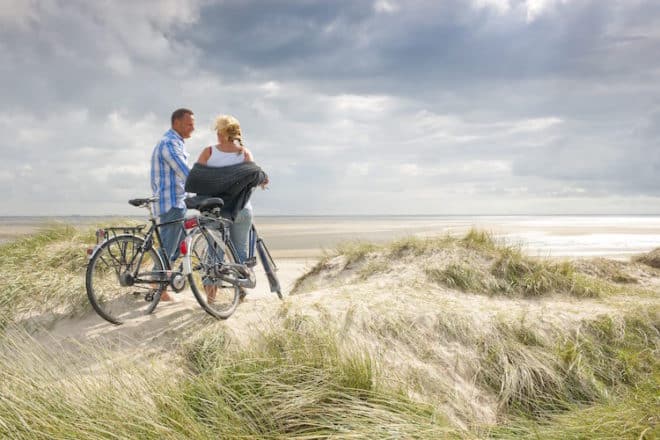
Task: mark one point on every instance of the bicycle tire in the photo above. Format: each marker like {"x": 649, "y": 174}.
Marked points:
{"x": 227, "y": 296}
{"x": 114, "y": 302}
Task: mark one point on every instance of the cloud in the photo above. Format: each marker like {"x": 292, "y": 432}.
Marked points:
{"x": 482, "y": 106}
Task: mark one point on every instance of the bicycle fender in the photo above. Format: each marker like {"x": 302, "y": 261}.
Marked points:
{"x": 187, "y": 261}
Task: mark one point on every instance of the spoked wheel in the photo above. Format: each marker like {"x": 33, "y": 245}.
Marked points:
{"x": 111, "y": 279}
{"x": 218, "y": 298}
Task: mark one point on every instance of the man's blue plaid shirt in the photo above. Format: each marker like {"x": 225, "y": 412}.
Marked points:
{"x": 169, "y": 170}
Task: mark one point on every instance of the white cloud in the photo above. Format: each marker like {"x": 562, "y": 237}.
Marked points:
{"x": 359, "y": 169}
{"x": 360, "y": 105}
{"x": 386, "y": 6}
{"x": 536, "y": 8}
{"x": 120, "y": 64}
{"x": 271, "y": 88}
{"x": 18, "y": 13}
{"x": 501, "y": 6}
{"x": 534, "y": 124}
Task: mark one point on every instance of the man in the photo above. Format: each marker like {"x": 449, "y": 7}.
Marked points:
{"x": 169, "y": 170}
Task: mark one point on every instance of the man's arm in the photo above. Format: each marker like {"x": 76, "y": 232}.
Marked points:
{"x": 175, "y": 159}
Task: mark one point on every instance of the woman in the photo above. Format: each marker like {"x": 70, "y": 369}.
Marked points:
{"x": 230, "y": 151}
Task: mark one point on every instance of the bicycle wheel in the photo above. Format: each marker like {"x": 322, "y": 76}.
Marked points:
{"x": 117, "y": 291}
{"x": 218, "y": 298}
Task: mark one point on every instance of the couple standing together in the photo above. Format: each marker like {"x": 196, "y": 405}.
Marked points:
{"x": 169, "y": 171}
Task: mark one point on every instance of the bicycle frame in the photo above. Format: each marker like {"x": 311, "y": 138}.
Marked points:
{"x": 154, "y": 230}
{"x": 234, "y": 273}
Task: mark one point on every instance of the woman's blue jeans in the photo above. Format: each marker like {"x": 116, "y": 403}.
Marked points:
{"x": 239, "y": 232}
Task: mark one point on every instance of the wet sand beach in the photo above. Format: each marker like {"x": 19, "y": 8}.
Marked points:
{"x": 303, "y": 237}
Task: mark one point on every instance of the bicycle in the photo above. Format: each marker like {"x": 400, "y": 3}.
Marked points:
{"x": 126, "y": 275}
{"x": 216, "y": 278}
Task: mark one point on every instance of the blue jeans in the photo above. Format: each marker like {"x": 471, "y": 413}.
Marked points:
{"x": 240, "y": 233}
{"x": 171, "y": 235}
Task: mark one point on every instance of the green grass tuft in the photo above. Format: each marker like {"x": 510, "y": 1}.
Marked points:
{"x": 528, "y": 277}
{"x": 457, "y": 276}
{"x": 479, "y": 240}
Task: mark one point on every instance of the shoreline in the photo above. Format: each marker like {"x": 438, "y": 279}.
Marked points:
{"x": 308, "y": 237}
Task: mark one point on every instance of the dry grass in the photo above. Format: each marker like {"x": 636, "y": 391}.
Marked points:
{"x": 43, "y": 274}
{"x": 296, "y": 382}
{"x": 650, "y": 259}
{"x": 397, "y": 369}
{"x": 474, "y": 263}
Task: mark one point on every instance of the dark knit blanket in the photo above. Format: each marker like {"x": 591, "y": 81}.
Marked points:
{"x": 233, "y": 184}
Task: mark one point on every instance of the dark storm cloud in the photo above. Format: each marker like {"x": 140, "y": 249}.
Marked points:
{"x": 422, "y": 42}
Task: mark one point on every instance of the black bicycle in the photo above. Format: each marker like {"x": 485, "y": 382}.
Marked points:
{"x": 216, "y": 277}
{"x": 126, "y": 274}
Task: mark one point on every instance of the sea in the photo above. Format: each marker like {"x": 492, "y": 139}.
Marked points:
{"x": 305, "y": 236}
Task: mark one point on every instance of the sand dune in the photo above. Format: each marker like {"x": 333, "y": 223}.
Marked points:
{"x": 462, "y": 325}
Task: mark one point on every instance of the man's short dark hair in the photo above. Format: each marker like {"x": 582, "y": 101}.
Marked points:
{"x": 180, "y": 113}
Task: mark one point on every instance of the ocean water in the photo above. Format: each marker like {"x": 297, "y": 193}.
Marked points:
{"x": 555, "y": 236}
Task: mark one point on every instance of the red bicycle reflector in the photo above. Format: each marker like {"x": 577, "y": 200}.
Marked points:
{"x": 183, "y": 248}
{"x": 190, "y": 223}
{"x": 90, "y": 251}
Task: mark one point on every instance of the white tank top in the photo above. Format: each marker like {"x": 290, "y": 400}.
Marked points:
{"x": 222, "y": 159}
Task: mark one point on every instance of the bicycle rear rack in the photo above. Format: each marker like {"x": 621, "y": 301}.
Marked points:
{"x": 112, "y": 231}
{"x": 104, "y": 234}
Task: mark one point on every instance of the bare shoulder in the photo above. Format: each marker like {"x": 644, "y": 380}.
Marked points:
{"x": 204, "y": 155}
{"x": 248, "y": 155}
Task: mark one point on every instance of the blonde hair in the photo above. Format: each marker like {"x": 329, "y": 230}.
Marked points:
{"x": 229, "y": 126}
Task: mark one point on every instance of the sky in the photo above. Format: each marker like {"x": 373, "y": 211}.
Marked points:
{"x": 351, "y": 107}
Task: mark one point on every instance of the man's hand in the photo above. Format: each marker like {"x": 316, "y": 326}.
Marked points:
{"x": 264, "y": 183}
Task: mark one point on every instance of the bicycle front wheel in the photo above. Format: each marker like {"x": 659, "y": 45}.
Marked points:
{"x": 122, "y": 280}
{"x": 218, "y": 298}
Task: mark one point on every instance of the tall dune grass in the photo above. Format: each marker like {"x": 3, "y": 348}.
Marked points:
{"x": 475, "y": 263}
{"x": 426, "y": 373}
{"x": 296, "y": 382}
{"x": 43, "y": 272}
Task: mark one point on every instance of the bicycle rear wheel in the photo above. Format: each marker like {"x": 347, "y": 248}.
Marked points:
{"x": 116, "y": 294}
{"x": 216, "y": 297}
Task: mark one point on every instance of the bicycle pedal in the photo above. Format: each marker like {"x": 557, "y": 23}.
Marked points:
{"x": 251, "y": 262}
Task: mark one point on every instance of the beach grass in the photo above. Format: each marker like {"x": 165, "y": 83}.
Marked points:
{"x": 299, "y": 381}
{"x": 433, "y": 369}
{"x": 42, "y": 275}
{"x": 474, "y": 263}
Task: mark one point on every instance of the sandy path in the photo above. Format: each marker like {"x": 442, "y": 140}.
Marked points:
{"x": 172, "y": 319}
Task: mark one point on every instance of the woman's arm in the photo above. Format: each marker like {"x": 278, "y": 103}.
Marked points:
{"x": 247, "y": 155}
{"x": 204, "y": 156}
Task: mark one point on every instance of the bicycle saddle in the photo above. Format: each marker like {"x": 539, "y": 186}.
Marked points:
{"x": 204, "y": 203}
{"x": 142, "y": 202}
